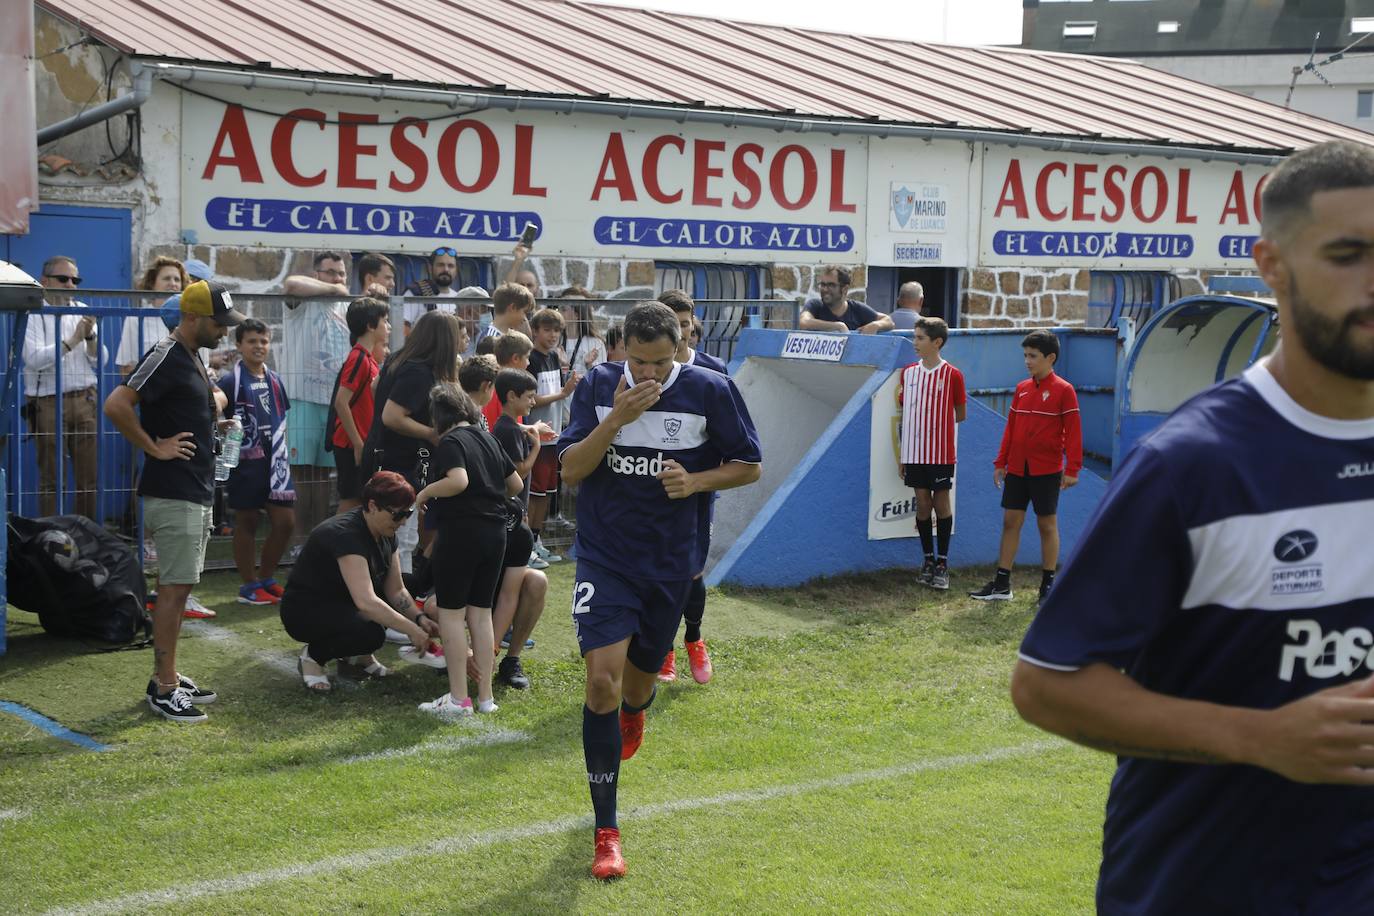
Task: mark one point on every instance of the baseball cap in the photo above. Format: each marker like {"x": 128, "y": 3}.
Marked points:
{"x": 210, "y": 300}
{"x": 171, "y": 312}
{"x": 198, "y": 269}
{"x": 474, "y": 292}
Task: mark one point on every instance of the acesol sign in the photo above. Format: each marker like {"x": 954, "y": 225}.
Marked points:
{"x": 1043, "y": 208}
{"x": 362, "y": 175}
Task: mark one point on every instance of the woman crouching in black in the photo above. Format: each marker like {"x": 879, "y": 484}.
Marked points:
{"x": 333, "y": 600}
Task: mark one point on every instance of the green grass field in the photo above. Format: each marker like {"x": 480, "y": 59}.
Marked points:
{"x": 856, "y": 752}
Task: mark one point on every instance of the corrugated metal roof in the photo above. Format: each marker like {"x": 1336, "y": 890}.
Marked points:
{"x": 574, "y": 49}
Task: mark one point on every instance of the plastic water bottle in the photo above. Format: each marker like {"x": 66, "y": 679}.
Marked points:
{"x": 228, "y": 457}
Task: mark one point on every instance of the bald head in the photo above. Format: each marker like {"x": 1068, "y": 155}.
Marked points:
{"x": 910, "y": 296}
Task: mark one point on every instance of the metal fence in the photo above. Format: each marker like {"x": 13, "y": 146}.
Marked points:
{"x": 63, "y": 456}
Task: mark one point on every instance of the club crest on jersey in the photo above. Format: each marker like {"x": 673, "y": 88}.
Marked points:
{"x": 1296, "y": 577}
{"x": 1044, "y": 395}
{"x": 671, "y": 426}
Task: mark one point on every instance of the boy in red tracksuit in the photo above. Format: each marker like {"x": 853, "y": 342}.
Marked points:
{"x": 1043, "y": 430}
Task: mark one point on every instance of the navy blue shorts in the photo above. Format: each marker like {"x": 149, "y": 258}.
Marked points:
{"x": 607, "y": 607}
{"x": 249, "y": 485}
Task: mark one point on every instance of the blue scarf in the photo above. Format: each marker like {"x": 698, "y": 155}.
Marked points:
{"x": 280, "y": 488}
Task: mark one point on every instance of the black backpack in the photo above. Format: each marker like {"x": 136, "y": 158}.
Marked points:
{"x": 80, "y": 579}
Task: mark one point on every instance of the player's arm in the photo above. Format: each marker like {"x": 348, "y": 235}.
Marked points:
{"x": 1327, "y": 737}
{"x": 679, "y": 483}
{"x": 1071, "y": 421}
{"x": 397, "y": 419}
{"x": 581, "y": 458}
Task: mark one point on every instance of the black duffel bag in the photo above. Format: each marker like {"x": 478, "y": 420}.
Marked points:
{"x": 80, "y": 579}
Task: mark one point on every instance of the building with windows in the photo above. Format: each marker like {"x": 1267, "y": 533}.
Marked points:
{"x": 649, "y": 150}
{"x": 1313, "y": 57}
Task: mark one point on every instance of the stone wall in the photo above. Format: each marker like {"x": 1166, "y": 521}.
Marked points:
{"x": 1023, "y": 298}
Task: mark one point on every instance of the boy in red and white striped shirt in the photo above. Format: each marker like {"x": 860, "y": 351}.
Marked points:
{"x": 931, "y": 394}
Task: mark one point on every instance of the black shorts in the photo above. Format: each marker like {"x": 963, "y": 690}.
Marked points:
{"x": 519, "y": 544}
{"x": 350, "y": 478}
{"x": 1038, "y": 490}
{"x": 466, "y": 562}
{"x": 250, "y": 485}
{"x": 929, "y": 476}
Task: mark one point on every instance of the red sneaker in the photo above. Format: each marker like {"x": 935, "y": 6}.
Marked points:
{"x": 608, "y": 863}
{"x": 668, "y": 673}
{"x": 700, "y": 659}
{"x": 271, "y": 585}
{"x": 631, "y": 734}
{"x": 197, "y": 611}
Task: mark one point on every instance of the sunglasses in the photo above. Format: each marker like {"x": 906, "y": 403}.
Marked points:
{"x": 451, "y": 252}
{"x": 401, "y": 515}
{"x": 64, "y": 278}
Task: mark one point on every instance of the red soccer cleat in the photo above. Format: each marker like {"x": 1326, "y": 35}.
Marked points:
{"x": 608, "y": 863}
{"x": 631, "y": 733}
{"x": 700, "y": 659}
{"x": 668, "y": 673}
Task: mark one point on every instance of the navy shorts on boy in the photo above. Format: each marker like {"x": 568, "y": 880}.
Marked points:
{"x": 249, "y": 485}
{"x": 608, "y": 607}
{"x": 1237, "y": 588}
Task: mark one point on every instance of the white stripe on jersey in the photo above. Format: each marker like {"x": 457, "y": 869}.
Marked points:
{"x": 1325, "y": 559}
{"x": 928, "y": 432}
{"x": 660, "y": 429}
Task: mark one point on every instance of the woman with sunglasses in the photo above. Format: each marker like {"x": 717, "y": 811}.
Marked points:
{"x": 346, "y": 589}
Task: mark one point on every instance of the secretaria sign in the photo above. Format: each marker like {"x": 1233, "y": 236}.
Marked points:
{"x": 357, "y": 174}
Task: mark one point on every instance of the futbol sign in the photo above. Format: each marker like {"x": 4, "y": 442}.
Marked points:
{"x": 1043, "y": 208}
{"x": 356, "y": 174}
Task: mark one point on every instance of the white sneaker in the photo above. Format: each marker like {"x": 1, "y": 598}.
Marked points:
{"x": 545, "y": 554}
{"x": 487, "y": 706}
{"x": 428, "y": 659}
{"x": 444, "y": 707}
{"x": 536, "y": 561}
{"x": 397, "y": 637}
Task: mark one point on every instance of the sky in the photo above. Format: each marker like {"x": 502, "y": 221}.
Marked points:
{"x": 962, "y": 22}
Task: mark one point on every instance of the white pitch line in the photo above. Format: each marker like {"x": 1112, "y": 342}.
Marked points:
{"x": 483, "y": 737}
{"x": 11, "y": 814}
{"x": 219, "y": 634}
{"x": 459, "y": 843}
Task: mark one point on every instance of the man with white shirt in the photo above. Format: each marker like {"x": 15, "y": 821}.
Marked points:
{"x": 64, "y": 346}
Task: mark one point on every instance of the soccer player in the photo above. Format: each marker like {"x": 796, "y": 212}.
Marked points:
{"x": 698, "y": 658}
{"x": 1232, "y": 679}
{"x": 1041, "y": 454}
{"x": 932, "y": 398}
{"x": 645, "y": 438}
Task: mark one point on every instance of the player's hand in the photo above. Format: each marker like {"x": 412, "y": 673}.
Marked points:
{"x": 1327, "y": 737}
{"x": 1067, "y": 482}
{"x": 998, "y": 476}
{"x": 590, "y": 361}
{"x": 377, "y": 291}
{"x": 677, "y": 483}
{"x": 181, "y": 446}
{"x": 869, "y": 328}
{"x": 571, "y": 383}
{"x": 630, "y": 403}
{"x": 520, "y": 252}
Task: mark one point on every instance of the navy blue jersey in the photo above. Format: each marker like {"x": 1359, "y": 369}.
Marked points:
{"x": 625, "y": 520}
{"x": 703, "y": 360}
{"x": 1229, "y": 562}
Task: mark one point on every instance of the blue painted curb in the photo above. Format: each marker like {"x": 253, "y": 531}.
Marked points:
{"x": 56, "y": 729}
